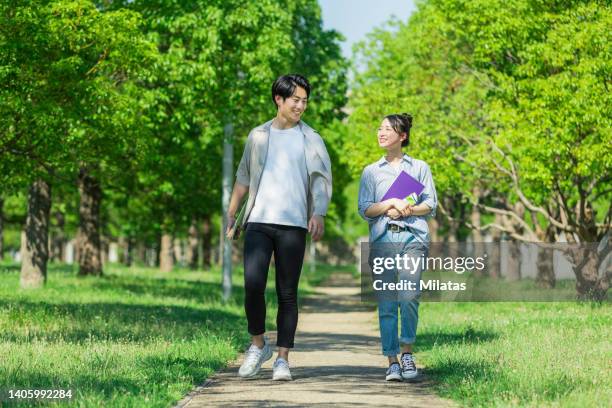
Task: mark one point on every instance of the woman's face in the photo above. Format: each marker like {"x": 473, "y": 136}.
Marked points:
{"x": 387, "y": 137}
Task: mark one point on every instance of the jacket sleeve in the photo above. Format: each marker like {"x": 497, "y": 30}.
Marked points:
{"x": 322, "y": 181}
{"x": 243, "y": 174}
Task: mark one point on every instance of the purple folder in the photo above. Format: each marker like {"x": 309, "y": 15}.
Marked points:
{"x": 403, "y": 186}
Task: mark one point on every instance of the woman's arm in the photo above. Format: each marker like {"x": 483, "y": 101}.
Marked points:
{"x": 421, "y": 209}
{"x": 381, "y": 208}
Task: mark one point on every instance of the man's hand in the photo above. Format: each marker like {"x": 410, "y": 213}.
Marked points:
{"x": 229, "y": 232}
{"x": 316, "y": 227}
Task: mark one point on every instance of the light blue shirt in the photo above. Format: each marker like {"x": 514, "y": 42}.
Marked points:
{"x": 376, "y": 180}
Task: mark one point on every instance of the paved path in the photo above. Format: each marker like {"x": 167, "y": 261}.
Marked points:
{"x": 336, "y": 362}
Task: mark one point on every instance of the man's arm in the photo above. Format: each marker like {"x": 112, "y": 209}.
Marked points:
{"x": 322, "y": 191}
{"x": 238, "y": 193}
{"x": 241, "y": 186}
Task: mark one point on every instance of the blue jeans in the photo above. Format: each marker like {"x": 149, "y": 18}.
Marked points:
{"x": 394, "y": 243}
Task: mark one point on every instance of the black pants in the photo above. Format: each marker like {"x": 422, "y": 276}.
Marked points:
{"x": 288, "y": 244}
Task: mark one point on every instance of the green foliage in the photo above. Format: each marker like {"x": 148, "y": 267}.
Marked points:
{"x": 138, "y": 93}
{"x": 63, "y": 64}
{"x": 492, "y": 83}
{"x": 217, "y": 63}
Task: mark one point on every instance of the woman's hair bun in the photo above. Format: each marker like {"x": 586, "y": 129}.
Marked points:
{"x": 408, "y": 118}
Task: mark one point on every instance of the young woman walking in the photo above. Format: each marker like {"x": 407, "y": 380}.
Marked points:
{"x": 397, "y": 226}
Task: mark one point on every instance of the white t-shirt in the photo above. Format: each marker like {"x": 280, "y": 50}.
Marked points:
{"x": 281, "y": 196}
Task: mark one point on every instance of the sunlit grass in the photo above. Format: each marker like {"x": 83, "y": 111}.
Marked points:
{"x": 518, "y": 354}
{"x": 134, "y": 337}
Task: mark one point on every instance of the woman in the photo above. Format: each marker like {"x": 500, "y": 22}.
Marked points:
{"x": 397, "y": 226}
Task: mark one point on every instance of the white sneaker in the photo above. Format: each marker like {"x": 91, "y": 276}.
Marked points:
{"x": 409, "y": 370}
{"x": 394, "y": 372}
{"x": 280, "y": 370}
{"x": 253, "y": 359}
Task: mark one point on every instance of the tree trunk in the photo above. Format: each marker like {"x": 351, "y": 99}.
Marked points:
{"x": 58, "y": 240}
{"x": 34, "y": 239}
{"x": 141, "y": 253}
{"x": 545, "y": 275}
{"x": 193, "y": 243}
{"x": 228, "y": 173}
{"x": 514, "y": 265}
{"x": 104, "y": 249}
{"x": 493, "y": 265}
{"x": 178, "y": 251}
{"x": 125, "y": 245}
{"x": 206, "y": 242}
{"x": 476, "y": 233}
{"x": 1, "y": 229}
{"x": 90, "y": 192}
{"x": 451, "y": 247}
{"x": 589, "y": 285}
{"x": 156, "y": 252}
{"x": 166, "y": 261}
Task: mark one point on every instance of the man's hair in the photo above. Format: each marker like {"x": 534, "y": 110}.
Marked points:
{"x": 285, "y": 86}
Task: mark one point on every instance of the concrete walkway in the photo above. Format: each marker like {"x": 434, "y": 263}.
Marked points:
{"x": 336, "y": 361}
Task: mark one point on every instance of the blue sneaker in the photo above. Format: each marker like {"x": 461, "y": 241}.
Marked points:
{"x": 394, "y": 372}
{"x": 409, "y": 370}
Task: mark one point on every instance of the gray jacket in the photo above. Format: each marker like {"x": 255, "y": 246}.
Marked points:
{"x": 318, "y": 166}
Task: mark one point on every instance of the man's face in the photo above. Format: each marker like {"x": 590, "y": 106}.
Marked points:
{"x": 294, "y": 106}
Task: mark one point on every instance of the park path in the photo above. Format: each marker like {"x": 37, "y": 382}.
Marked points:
{"x": 336, "y": 362}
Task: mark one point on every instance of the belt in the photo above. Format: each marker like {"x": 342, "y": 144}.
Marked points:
{"x": 397, "y": 228}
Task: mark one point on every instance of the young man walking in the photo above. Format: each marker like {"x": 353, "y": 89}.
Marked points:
{"x": 286, "y": 170}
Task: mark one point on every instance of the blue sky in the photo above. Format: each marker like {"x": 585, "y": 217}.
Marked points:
{"x": 355, "y": 18}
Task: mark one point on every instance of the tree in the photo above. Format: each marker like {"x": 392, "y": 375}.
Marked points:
{"x": 63, "y": 63}
{"x": 468, "y": 70}
{"x": 218, "y": 61}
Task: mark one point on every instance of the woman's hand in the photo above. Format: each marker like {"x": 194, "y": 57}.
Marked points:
{"x": 408, "y": 211}
{"x": 398, "y": 204}
{"x": 393, "y": 213}
{"x": 403, "y": 207}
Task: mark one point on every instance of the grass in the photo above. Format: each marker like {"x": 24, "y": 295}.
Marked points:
{"x": 138, "y": 337}
{"x": 134, "y": 337}
{"x": 518, "y": 354}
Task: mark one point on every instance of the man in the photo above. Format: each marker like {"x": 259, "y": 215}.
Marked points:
{"x": 286, "y": 170}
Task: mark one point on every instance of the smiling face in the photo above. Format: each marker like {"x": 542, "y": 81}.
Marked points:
{"x": 387, "y": 137}
{"x": 292, "y": 108}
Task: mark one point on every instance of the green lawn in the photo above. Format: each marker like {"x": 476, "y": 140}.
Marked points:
{"x": 518, "y": 354}
{"x": 135, "y": 337}
{"x": 138, "y": 337}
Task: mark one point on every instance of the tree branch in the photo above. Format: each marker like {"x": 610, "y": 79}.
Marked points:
{"x": 530, "y": 206}
{"x": 510, "y": 214}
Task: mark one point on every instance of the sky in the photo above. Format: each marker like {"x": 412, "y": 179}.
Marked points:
{"x": 355, "y": 18}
